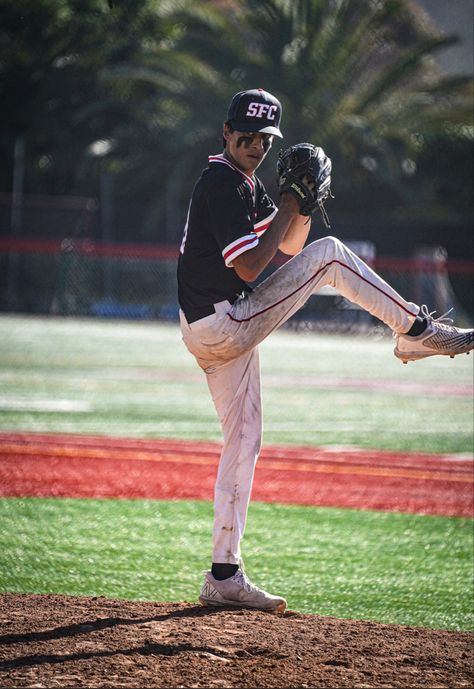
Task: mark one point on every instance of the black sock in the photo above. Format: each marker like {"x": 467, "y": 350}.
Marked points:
{"x": 222, "y": 571}
{"x": 418, "y": 327}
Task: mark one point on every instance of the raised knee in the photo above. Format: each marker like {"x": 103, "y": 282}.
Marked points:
{"x": 327, "y": 245}
{"x": 331, "y": 241}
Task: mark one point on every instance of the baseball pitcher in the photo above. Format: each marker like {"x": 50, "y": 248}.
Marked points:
{"x": 233, "y": 231}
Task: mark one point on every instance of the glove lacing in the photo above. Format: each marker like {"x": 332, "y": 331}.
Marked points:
{"x": 324, "y": 214}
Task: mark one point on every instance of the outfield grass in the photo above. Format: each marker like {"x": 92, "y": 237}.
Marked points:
{"x": 393, "y": 568}
{"x": 137, "y": 379}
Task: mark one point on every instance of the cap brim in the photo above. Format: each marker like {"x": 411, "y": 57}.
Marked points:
{"x": 254, "y": 127}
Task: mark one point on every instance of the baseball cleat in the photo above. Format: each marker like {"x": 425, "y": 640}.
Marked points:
{"x": 239, "y": 592}
{"x": 439, "y": 338}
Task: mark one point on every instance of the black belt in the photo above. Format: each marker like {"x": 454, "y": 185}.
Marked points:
{"x": 201, "y": 312}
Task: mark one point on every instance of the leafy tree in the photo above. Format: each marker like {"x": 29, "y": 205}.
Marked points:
{"x": 100, "y": 87}
{"x": 360, "y": 79}
{"x": 53, "y": 57}
{"x": 150, "y": 81}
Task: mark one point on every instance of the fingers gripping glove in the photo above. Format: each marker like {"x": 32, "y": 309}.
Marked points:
{"x": 304, "y": 170}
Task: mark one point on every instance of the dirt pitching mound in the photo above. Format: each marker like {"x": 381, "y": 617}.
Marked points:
{"x": 70, "y": 641}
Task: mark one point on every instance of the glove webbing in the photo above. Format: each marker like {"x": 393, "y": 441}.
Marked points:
{"x": 324, "y": 214}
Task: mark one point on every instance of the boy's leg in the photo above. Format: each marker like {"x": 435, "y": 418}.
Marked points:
{"x": 236, "y": 392}
{"x": 234, "y": 383}
{"x": 329, "y": 262}
{"x": 225, "y": 347}
{"x": 324, "y": 262}
{"x": 235, "y": 389}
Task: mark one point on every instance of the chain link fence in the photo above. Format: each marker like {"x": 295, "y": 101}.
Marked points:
{"x": 87, "y": 279}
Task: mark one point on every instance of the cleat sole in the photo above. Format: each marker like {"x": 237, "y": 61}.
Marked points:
{"x": 279, "y": 610}
{"x": 405, "y": 357}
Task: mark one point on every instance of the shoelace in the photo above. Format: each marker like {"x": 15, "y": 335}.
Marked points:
{"x": 241, "y": 578}
{"x": 441, "y": 320}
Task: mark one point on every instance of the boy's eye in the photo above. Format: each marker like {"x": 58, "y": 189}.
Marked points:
{"x": 252, "y": 135}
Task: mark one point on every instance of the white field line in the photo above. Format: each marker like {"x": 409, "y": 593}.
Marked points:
{"x": 44, "y": 405}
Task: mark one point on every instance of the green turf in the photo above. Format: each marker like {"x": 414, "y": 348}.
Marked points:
{"x": 393, "y": 568}
{"x": 137, "y": 379}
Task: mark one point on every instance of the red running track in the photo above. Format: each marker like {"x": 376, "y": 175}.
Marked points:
{"x": 54, "y": 465}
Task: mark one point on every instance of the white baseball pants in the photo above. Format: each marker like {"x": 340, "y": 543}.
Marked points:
{"x": 225, "y": 347}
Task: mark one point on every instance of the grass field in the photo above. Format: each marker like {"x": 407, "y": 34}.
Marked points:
{"x": 396, "y": 568}
{"x": 136, "y": 379}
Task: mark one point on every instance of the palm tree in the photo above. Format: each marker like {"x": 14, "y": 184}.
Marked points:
{"x": 359, "y": 78}
{"x": 154, "y": 79}
{"x": 177, "y": 91}
{"x": 356, "y": 76}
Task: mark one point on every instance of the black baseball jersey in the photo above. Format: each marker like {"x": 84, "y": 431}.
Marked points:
{"x": 228, "y": 212}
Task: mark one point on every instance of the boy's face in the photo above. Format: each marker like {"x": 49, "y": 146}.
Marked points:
{"x": 246, "y": 149}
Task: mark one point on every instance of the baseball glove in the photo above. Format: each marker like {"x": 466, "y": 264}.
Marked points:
{"x": 304, "y": 170}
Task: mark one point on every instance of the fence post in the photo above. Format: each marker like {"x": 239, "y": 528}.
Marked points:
{"x": 107, "y": 227}
{"x": 431, "y": 278}
{"x": 15, "y": 217}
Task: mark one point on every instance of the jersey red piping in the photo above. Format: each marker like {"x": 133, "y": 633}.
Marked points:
{"x": 239, "y": 246}
{"x": 221, "y": 159}
{"x": 243, "y": 320}
{"x": 260, "y": 230}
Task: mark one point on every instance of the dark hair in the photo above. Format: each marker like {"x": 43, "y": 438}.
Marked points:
{"x": 231, "y": 129}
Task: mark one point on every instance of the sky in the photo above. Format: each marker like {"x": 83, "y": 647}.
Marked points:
{"x": 454, "y": 17}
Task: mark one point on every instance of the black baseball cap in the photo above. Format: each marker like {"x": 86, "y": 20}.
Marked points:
{"x": 255, "y": 110}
